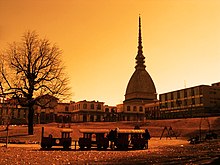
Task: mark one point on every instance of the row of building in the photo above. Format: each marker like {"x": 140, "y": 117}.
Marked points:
{"x": 197, "y": 101}
{"x": 140, "y": 102}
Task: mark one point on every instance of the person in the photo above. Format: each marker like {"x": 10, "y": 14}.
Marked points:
{"x": 112, "y": 136}
{"x": 116, "y": 133}
{"x": 194, "y": 140}
{"x": 147, "y": 137}
{"x": 137, "y": 127}
{"x": 135, "y": 136}
{"x": 50, "y": 136}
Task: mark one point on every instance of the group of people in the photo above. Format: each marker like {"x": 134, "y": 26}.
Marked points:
{"x": 113, "y": 136}
{"x": 145, "y": 135}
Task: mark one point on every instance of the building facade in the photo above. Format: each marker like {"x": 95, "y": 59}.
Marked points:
{"x": 198, "y": 101}
{"x": 110, "y": 113}
{"x": 12, "y": 113}
{"x": 45, "y": 109}
{"x": 86, "y": 111}
{"x": 152, "y": 110}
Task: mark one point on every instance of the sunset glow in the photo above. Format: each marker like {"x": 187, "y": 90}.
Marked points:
{"x": 99, "y": 39}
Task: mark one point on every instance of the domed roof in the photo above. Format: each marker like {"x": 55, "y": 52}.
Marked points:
{"x": 141, "y": 86}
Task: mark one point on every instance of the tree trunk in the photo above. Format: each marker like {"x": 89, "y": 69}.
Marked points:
{"x": 31, "y": 121}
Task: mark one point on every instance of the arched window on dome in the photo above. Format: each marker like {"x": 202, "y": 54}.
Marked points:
{"x": 84, "y": 106}
{"x": 128, "y": 108}
{"x": 140, "y": 109}
{"x": 92, "y": 106}
{"x": 134, "y": 108}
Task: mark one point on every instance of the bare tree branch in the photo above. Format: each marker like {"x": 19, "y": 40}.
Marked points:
{"x": 34, "y": 68}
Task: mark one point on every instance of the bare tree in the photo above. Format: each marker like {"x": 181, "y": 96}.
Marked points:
{"x": 32, "y": 68}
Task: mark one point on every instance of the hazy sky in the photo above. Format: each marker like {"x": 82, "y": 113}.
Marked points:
{"x": 181, "y": 40}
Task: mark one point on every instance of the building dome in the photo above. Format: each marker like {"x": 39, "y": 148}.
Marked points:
{"x": 141, "y": 87}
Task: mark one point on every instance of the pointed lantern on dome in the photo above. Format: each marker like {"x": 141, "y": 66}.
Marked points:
{"x": 140, "y": 57}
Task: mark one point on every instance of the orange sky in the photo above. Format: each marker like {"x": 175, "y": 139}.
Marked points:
{"x": 181, "y": 40}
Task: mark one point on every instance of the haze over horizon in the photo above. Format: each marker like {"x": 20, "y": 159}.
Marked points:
{"x": 99, "y": 39}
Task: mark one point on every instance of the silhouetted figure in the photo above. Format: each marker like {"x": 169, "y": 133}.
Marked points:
{"x": 135, "y": 136}
{"x": 113, "y": 136}
{"x": 194, "y": 140}
{"x": 147, "y": 137}
{"x": 137, "y": 127}
{"x": 116, "y": 132}
{"x": 50, "y": 136}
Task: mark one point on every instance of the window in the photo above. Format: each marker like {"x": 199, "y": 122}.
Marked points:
{"x": 178, "y": 94}
{"x": 66, "y": 108}
{"x": 128, "y": 108}
{"x": 98, "y": 118}
{"x": 166, "y": 97}
{"x": 92, "y": 118}
{"x": 134, "y": 108}
{"x": 178, "y": 102}
{"x": 84, "y": 106}
{"x": 171, "y": 96}
{"x": 84, "y": 118}
{"x": 19, "y": 113}
{"x": 92, "y": 106}
{"x": 193, "y": 101}
{"x": 106, "y": 109}
{"x": 185, "y": 93}
{"x": 201, "y": 100}
{"x": 200, "y": 91}
{"x": 192, "y": 92}
{"x": 99, "y": 106}
{"x": 166, "y": 105}
{"x": 160, "y": 97}
{"x": 140, "y": 109}
{"x": 25, "y": 114}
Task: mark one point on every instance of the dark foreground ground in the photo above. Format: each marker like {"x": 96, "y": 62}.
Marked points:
{"x": 165, "y": 151}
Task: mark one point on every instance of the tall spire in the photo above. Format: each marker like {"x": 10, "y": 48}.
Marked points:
{"x": 140, "y": 57}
